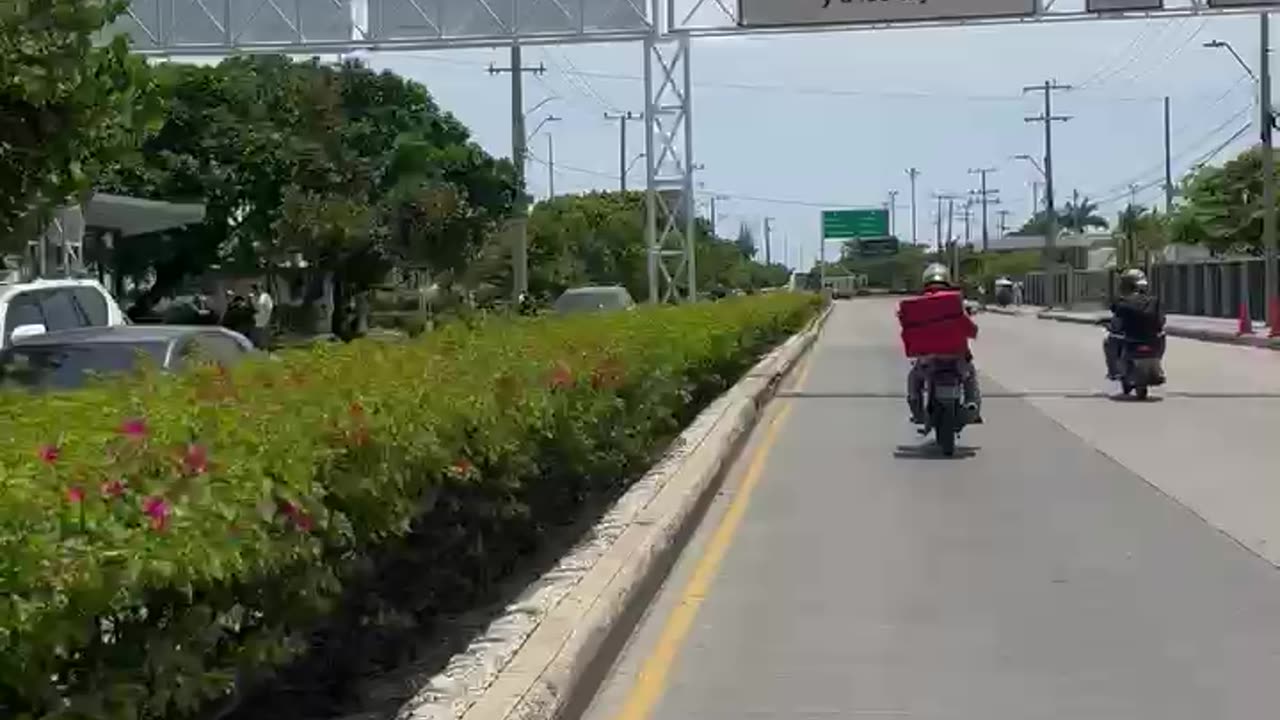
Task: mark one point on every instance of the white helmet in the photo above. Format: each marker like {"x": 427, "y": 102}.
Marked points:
{"x": 936, "y": 274}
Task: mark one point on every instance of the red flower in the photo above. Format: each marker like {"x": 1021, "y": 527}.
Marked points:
{"x": 49, "y": 453}
{"x": 75, "y": 494}
{"x": 300, "y": 518}
{"x": 561, "y": 377}
{"x": 156, "y": 508}
{"x": 195, "y": 461}
{"x": 463, "y": 466}
{"x": 356, "y": 409}
{"x": 134, "y": 428}
{"x": 113, "y": 488}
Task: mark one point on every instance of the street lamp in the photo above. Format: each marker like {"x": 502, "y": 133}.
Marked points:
{"x": 1266, "y": 118}
{"x": 1032, "y": 160}
{"x": 544, "y": 121}
{"x": 1219, "y": 44}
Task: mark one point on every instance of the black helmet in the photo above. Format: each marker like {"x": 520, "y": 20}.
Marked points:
{"x": 1132, "y": 280}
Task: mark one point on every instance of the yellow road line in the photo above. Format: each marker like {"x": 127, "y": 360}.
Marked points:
{"x": 652, "y": 681}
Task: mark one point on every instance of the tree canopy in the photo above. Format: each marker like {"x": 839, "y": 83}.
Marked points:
{"x": 1079, "y": 214}
{"x": 347, "y": 168}
{"x": 68, "y": 106}
{"x": 598, "y": 238}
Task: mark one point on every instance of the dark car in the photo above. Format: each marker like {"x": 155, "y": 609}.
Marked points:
{"x": 66, "y": 359}
{"x": 594, "y": 299}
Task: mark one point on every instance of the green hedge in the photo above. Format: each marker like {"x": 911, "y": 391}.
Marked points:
{"x": 164, "y": 540}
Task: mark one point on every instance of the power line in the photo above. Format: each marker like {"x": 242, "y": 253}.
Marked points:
{"x": 1117, "y": 188}
{"x": 823, "y": 91}
{"x": 1105, "y": 77}
{"x": 1163, "y": 62}
{"x": 1102, "y": 67}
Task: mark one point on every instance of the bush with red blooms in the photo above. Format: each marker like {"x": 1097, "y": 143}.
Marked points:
{"x": 166, "y": 540}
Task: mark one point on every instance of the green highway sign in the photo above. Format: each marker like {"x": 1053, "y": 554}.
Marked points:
{"x": 851, "y": 224}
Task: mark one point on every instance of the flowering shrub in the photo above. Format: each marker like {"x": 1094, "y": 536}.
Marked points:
{"x": 163, "y": 539}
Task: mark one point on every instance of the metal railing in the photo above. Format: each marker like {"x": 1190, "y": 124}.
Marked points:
{"x": 1211, "y": 288}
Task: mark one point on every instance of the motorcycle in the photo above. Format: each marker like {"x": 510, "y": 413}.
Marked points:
{"x": 945, "y": 410}
{"x": 1140, "y": 362}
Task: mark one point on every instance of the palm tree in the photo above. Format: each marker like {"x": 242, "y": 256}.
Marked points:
{"x": 1080, "y": 214}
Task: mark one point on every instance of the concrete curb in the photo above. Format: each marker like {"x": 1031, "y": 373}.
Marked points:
{"x": 1257, "y": 341}
{"x": 551, "y": 643}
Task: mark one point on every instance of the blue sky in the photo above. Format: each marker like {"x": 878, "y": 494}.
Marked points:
{"x": 786, "y": 125}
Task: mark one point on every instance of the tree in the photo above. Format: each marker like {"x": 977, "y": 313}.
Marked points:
{"x": 66, "y": 106}
{"x": 746, "y": 241}
{"x": 1080, "y": 214}
{"x": 598, "y": 238}
{"x": 1221, "y": 206}
{"x": 278, "y": 150}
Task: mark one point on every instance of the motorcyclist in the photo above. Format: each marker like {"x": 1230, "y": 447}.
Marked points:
{"x": 937, "y": 278}
{"x": 1136, "y": 316}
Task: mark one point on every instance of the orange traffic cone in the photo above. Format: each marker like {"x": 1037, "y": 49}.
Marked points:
{"x": 1275, "y": 317}
{"x": 1246, "y": 324}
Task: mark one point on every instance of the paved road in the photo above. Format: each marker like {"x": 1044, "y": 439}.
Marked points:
{"x": 847, "y": 571}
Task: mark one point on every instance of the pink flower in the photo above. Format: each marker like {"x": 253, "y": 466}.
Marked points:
{"x": 156, "y": 508}
{"x": 75, "y": 494}
{"x": 195, "y": 461}
{"x": 113, "y": 488}
{"x": 299, "y": 517}
{"x": 134, "y": 428}
{"x": 49, "y": 453}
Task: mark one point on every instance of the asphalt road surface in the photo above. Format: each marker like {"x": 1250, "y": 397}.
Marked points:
{"x": 1085, "y": 558}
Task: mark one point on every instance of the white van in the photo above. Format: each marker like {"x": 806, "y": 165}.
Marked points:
{"x": 40, "y": 306}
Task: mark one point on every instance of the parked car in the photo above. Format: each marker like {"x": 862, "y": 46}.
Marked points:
{"x": 66, "y": 359}
{"x": 594, "y": 299}
{"x": 32, "y": 308}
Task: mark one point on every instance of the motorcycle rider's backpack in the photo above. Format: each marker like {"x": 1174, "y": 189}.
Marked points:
{"x": 935, "y": 324}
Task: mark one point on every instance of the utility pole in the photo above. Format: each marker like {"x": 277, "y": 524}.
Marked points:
{"x": 623, "y": 118}
{"x": 768, "y": 241}
{"x": 968, "y": 218}
{"x": 938, "y": 234}
{"x": 520, "y": 253}
{"x": 551, "y": 167}
{"x": 893, "y": 213}
{"x": 984, "y": 193}
{"x": 1004, "y": 221}
{"x": 1268, "y": 170}
{"x": 913, "y": 174}
{"x": 951, "y": 238}
{"x": 1035, "y": 197}
{"x": 1048, "y": 119}
{"x": 1168, "y": 162}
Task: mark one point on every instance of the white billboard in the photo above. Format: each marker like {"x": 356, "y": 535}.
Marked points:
{"x": 1122, "y": 5}
{"x": 1242, "y": 3}
{"x": 777, "y": 13}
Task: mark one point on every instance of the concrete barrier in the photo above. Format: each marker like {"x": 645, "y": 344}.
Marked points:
{"x": 551, "y": 646}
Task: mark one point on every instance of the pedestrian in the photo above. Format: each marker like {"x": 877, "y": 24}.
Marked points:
{"x": 238, "y": 316}
{"x": 263, "y": 305}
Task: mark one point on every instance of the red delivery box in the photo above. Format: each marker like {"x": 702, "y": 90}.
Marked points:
{"x": 934, "y": 324}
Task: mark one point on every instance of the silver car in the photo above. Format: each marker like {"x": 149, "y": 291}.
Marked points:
{"x": 594, "y": 299}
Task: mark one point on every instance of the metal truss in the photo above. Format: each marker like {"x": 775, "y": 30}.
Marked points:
{"x": 668, "y": 118}
{"x": 219, "y": 27}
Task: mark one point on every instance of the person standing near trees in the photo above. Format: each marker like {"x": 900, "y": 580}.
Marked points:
{"x": 263, "y": 306}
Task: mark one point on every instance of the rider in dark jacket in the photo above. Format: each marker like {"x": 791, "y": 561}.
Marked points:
{"x": 1135, "y": 316}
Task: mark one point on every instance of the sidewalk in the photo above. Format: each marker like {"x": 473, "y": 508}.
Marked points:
{"x": 1195, "y": 327}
